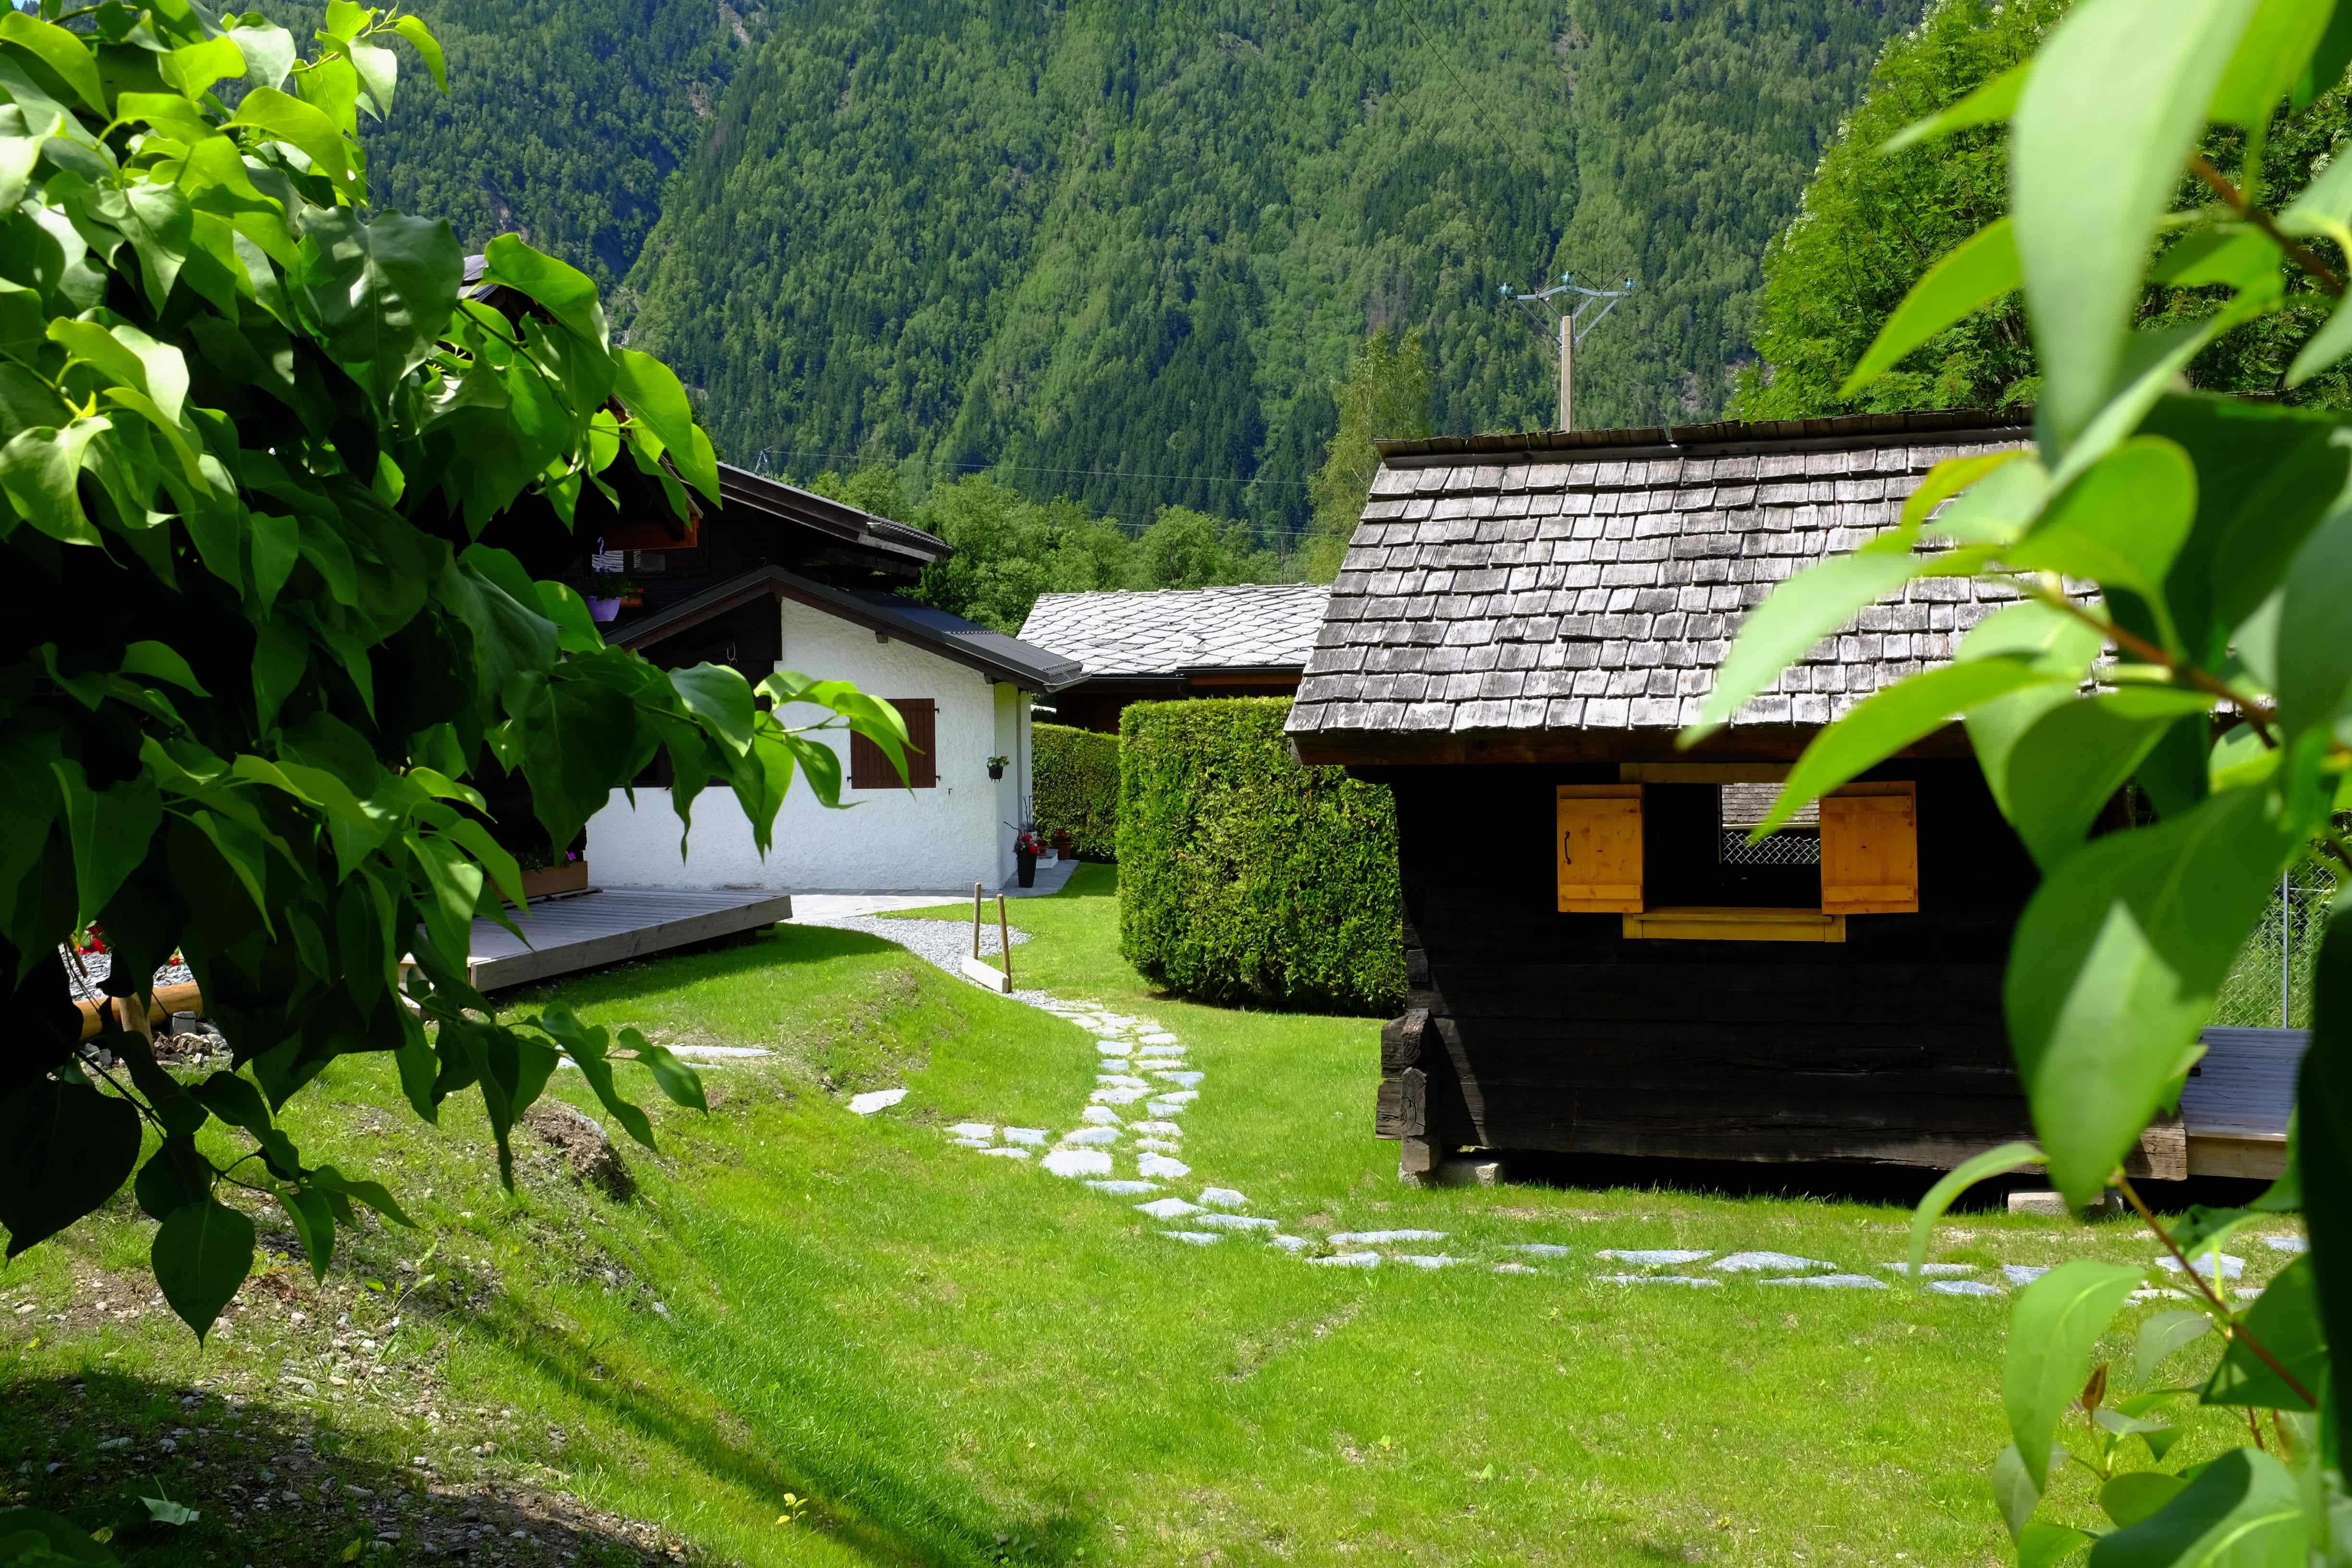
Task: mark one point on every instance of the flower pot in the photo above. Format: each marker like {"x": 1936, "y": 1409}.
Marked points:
{"x": 1064, "y": 848}
{"x": 996, "y": 770}
{"x": 546, "y": 879}
{"x": 1025, "y": 864}
{"x": 633, "y": 601}
{"x": 604, "y": 612}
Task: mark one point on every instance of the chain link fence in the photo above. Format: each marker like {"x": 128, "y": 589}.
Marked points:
{"x": 2270, "y": 986}
{"x": 1782, "y": 848}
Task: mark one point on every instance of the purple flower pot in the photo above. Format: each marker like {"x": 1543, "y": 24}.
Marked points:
{"x": 604, "y": 612}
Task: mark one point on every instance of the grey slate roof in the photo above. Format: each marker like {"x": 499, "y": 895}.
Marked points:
{"x": 1168, "y": 631}
{"x": 1525, "y": 587}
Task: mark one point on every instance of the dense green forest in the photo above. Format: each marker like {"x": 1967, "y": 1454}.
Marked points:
{"x": 1872, "y": 223}
{"x": 1124, "y": 252}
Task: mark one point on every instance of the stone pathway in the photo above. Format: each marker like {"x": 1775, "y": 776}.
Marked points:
{"x": 1126, "y": 1142}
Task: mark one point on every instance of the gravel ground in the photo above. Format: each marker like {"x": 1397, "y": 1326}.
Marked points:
{"x": 946, "y": 944}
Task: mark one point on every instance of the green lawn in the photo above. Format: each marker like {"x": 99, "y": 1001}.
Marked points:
{"x": 965, "y": 1360}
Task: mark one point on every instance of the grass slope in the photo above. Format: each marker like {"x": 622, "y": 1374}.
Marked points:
{"x": 968, "y": 1360}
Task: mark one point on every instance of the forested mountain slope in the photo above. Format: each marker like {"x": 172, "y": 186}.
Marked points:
{"x": 1121, "y": 250}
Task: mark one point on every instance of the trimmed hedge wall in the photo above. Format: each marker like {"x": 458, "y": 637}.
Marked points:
{"x": 1246, "y": 877}
{"x": 1073, "y": 786}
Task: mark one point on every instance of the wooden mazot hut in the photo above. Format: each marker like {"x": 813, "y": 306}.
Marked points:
{"x": 1599, "y": 960}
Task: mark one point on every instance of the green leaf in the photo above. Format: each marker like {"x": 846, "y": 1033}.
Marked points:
{"x": 2014, "y": 1492}
{"x": 2121, "y": 523}
{"x": 328, "y": 1179}
{"x": 2315, "y": 628}
{"x": 2163, "y": 1334}
{"x": 2242, "y": 1510}
{"x": 201, "y": 1255}
{"x": 65, "y": 1149}
{"x": 568, "y": 294}
{"x": 59, "y": 50}
{"x": 1803, "y": 610}
{"x": 651, "y": 392}
{"x": 2058, "y": 1319}
{"x": 2101, "y": 134}
{"x": 2114, "y": 969}
{"x": 40, "y": 469}
{"x": 508, "y": 639}
{"x": 313, "y": 1219}
{"x": 175, "y": 1176}
{"x": 1971, "y": 276}
{"x": 2061, "y": 771}
{"x": 304, "y": 128}
{"x": 2138, "y": 1495}
{"x": 111, "y": 832}
{"x": 414, "y": 29}
{"x": 1992, "y": 1162}
{"x": 237, "y": 1102}
{"x": 2043, "y": 1545}
{"x": 163, "y": 1510}
{"x": 2268, "y": 57}
{"x": 268, "y": 51}
{"x": 575, "y": 739}
{"x": 384, "y": 290}
{"x": 719, "y": 696}
{"x": 378, "y": 70}
{"x": 680, "y": 1083}
{"x": 161, "y": 661}
{"x": 30, "y": 1531}
{"x": 1991, "y": 103}
{"x": 2325, "y": 347}
{"x": 194, "y": 67}
{"x": 1885, "y": 723}
{"x": 2285, "y": 1320}
{"x": 2240, "y": 259}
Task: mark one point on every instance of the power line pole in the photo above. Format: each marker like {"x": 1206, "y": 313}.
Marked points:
{"x": 1564, "y": 306}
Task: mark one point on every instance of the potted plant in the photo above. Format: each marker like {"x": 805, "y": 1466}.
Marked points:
{"x": 1026, "y": 846}
{"x": 608, "y": 593}
{"x": 1065, "y": 846}
{"x": 546, "y": 872}
{"x": 996, "y": 766}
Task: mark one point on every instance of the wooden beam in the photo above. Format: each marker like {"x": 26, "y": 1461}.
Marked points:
{"x": 1732, "y": 924}
{"x": 987, "y": 974}
{"x": 1702, "y": 772}
{"x": 169, "y": 999}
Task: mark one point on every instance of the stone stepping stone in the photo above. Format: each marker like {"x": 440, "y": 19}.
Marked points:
{"x": 2157, "y": 1293}
{"x": 1117, "y": 1022}
{"x": 1382, "y": 1238}
{"x": 1006, "y": 1151}
{"x": 1112, "y": 1047}
{"x": 1091, "y": 1136}
{"x": 1160, "y": 1146}
{"x": 1187, "y": 1080}
{"x": 1125, "y": 1189}
{"x": 1234, "y": 1222}
{"x": 2232, "y": 1268}
{"x": 1538, "y": 1250}
{"x": 1078, "y": 1162}
{"x": 1651, "y": 1257}
{"x": 2289, "y": 1243}
{"x": 1157, "y": 1129}
{"x": 973, "y": 1143}
{"x": 983, "y": 1131}
{"x": 1768, "y": 1263}
{"x": 1223, "y": 1198}
{"x": 874, "y": 1100}
{"x": 1117, "y": 1096}
{"x": 1515, "y": 1268}
{"x": 1965, "y": 1287}
{"x": 1168, "y": 1208}
{"x": 1163, "y": 1054}
{"x": 1348, "y": 1261}
{"x": 1179, "y": 1096}
{"x": 1158, "y": 1037}
{"x": 1830, "y": 1281}
{"x": 1164, "y": 1108}
{"x": 1032, "y": 1135}
{"x": 2023, "y": 1273}
{"x": 1289, "y": 1243}
{"x": 1658, "y": 1279}
{"x": 1161, "y": 1165}
{"x": 1100, "y": 1116}
{"x": 1932, "y": 1270}
{"x": 1120, "y": 1080}
{"x": 1194, "y": 1238}
{"x": 1427, "y": 1259}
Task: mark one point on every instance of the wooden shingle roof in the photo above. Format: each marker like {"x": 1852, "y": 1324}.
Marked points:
{"x": 1170, "y": 631}
{"x": 1568, "y": 596}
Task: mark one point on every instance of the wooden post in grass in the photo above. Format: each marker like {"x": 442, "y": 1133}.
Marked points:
{"x": 975, "y": 920}
{"x": 1004, "y": 940}
{"x": 978, "y": 968}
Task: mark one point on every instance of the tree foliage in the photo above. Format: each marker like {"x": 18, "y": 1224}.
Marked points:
{"x": 1385, "y": 396}
{"x": 1875, "y": 221}
{"x": 2182, "y": 568}
{"x": 271, "y": 487}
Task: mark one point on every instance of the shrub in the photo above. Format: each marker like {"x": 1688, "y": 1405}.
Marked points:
{"x": 1074, "y": 783}
{"x": 1246, "y": 877}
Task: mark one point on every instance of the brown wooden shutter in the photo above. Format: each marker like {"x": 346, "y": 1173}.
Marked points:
{"x": 1870, "y": 849}
{"x": 869, "y": 767}
{"x": 1597, "y": 843}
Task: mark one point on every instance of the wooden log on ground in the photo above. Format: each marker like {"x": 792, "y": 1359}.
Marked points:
{"x": 169, "y": 999}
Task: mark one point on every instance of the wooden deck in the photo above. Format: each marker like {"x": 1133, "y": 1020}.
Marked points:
{"x": 2236, "y": 1105}
{"x": 609, "y": 925}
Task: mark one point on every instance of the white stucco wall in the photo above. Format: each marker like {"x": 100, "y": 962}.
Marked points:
{"x": 943, "y": 839}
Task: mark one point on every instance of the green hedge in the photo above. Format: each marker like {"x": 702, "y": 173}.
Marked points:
{"x": 1074, "y": 788}
{"x": 1246, "y": 877}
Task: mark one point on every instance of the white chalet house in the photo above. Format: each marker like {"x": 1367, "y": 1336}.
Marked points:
{"x": 780, "y": 578}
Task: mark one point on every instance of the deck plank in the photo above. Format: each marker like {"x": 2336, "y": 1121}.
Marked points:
{"x": 612, "y": 925}
{"x": 2235, "y": 1107}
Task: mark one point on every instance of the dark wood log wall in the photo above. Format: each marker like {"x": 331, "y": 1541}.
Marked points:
{"x": 1530, "y": 1029}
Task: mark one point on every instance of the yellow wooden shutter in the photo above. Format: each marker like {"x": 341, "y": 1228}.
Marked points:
{"x": 1870, "y": 849}
{"x": 1598, "y": 846}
